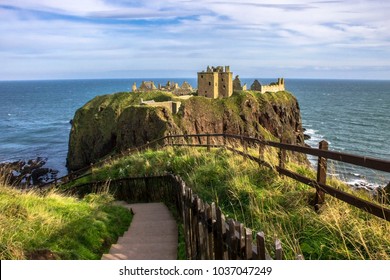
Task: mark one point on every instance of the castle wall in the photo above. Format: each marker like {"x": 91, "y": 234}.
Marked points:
{"x": 172, "y": 106}
{"x": 274, "y": 87}
{"x": 208, "y": 84}
{"x": 225, "y": 84}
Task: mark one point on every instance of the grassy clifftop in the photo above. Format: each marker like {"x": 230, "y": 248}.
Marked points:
{"x": 54, "y": 226}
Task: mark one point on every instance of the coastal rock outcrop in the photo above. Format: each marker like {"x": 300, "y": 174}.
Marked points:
{"x": 27, "y": 173}
{"x": 114, "y": 123}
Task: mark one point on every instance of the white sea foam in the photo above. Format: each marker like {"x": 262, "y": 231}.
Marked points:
{"x": 362, "y": 184}
{"x": 315, "y": 137}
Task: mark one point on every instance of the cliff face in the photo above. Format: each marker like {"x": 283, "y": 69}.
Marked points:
{"x": 115, "y": 123}
{"x": 261, "y": 116}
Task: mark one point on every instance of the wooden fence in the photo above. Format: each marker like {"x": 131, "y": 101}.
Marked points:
{"x": 379, "y": 210}
{"x": 230, "y": 142}
{"x": 208, "y": 234}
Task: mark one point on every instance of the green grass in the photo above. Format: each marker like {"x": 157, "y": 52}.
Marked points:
{"x": 53, "y": 226}
{"x": 265, "y": 201}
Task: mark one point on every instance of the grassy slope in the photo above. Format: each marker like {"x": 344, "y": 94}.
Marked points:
{"x": 264, "y": 201}
{"x": 121, "y": 100}
{"x": 59, "y": 227}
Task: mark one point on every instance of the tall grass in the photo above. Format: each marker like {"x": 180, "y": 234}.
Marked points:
{"x": 265, "y": 201}
{"x": 53, "y": 226}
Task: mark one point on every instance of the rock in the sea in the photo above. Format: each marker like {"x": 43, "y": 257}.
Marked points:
{"x": 306, "y": 136}
{"x": 27, "y": 174}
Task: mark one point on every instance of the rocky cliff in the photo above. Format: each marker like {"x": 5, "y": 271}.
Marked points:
{"x": 116, "y": 122}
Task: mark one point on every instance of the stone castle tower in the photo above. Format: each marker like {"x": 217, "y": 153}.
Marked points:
{"x": 215, "y": 82}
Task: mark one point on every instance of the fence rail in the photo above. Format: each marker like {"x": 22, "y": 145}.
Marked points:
{"x": 220, "y": 140}
{"x": 208, "y": 234}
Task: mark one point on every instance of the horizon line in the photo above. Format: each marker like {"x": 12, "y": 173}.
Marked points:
{"x": 149, "y": 78}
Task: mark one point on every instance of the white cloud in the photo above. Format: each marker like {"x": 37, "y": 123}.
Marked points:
{"x": 74, "y": 7}
{"x": 108, "y": 35}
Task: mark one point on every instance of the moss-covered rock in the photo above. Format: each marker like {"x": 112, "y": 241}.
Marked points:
{"x": 117, "y": 122}
{"x": 138, "y": 125}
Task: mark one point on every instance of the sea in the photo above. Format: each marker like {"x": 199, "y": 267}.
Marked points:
{"x": 352, "y": 115}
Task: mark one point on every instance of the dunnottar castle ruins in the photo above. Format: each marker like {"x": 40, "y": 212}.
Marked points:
{"x": 215, "y": 82}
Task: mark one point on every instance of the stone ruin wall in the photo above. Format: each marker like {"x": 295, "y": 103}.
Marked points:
{"x": 172, "y": 106}
{"x": 274, "y": 88}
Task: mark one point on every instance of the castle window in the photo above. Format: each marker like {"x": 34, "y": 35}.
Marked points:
{"x": 222, "y": 79}
{"x": 209, "y": 83}
{"x": 224, "y": 86}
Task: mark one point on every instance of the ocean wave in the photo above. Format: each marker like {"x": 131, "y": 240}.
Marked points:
{"x": 362, "y": 184}
{"x": 311, "y": 131}
{"x": 315, "y": 137}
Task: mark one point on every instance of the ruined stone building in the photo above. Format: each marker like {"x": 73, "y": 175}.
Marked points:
{"x": 173, "y": 87}
{"x": 273, "y": 87}
{"x": 185, "y": 89}
{"x": 215, "y": 82}
{"x": 237, "y": 84}
{"x": 145, "y": 86}
{"x": 256, "y": 86}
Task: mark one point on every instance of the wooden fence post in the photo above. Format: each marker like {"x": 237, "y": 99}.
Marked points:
{"x": 202, "y": 252}
{"x": 190, "y": 234}
{"x": 321, "y": 176}
{"x": 208, "y": 142}
{"x": 219, "y": 236}
{"x": 261, "y": 151}
{"x": 209, "y": 230}
{"x": 231, "y": 240}
{"x": 248, "y": 244}
{"x": 245, "y": 148}
{"x": 278, "y": 250}
{"x": 282, "y": 155}
{"x": 260, "y": 242}
{"x": 195, "y": 217}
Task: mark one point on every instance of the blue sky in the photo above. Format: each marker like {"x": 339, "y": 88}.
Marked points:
{"x": 54, "y": 39}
